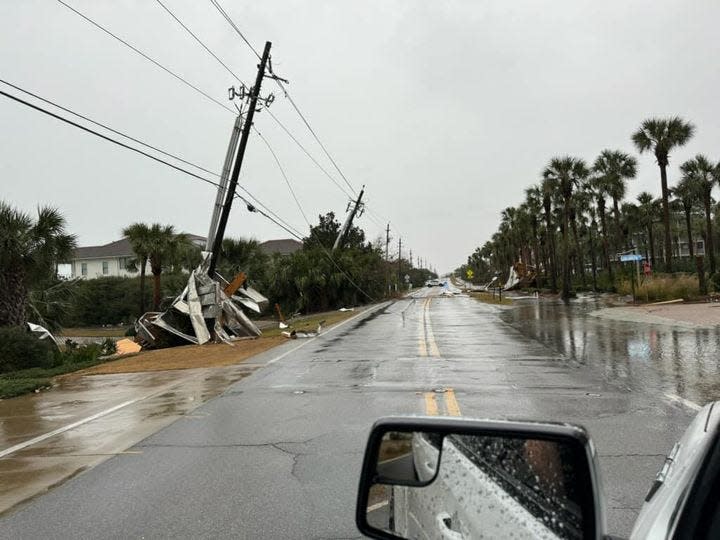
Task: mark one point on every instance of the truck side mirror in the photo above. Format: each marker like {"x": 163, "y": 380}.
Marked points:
{"x": 454, "y": 478}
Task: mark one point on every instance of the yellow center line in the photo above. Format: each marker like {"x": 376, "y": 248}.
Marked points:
{"x": 422, "y": 344}
{"x": 431, "y": 407}
{"x": 451, "y": 403}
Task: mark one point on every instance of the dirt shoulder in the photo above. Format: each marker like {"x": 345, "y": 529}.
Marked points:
{"x": 705, "y": 315}
{"x": 210, "y": 355}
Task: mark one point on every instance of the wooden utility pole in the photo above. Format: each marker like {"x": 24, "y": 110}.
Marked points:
{"x": 230, "y": 195}
{"x": 399, "y": 262}
{"x": 348, "y": 222}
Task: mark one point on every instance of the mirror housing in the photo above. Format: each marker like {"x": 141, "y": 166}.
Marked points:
{"x": 397, "y": 445}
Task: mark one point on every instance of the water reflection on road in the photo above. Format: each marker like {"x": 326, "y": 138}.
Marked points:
{"x": 649, "y": 357}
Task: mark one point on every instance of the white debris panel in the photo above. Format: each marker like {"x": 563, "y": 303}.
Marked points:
{"x": 207, "y": 310}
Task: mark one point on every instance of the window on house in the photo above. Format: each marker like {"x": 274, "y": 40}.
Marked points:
{"x": 83, "y": 269}
{"x": 106, "y": 267}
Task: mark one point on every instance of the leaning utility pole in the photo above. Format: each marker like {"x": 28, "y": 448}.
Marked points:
{"x": 387, "y": 243}
{"x": 222, "y": 187}
{"x": 230, "y": 194}
{"x": 348, "y": 222}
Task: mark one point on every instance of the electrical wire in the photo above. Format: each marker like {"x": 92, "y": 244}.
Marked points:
{"x": 104, "y": 126}
{"x": 275, "y": 118}
{"x": 285, "y": 226}
{"x": 138, "y": 51}
{"x": 286, "y": 93}
{"x": 324, "y": 249}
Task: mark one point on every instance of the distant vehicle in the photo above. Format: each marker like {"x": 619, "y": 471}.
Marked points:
{"x": 432, "y": 283}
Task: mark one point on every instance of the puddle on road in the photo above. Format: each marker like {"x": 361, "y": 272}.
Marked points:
{"x": 668, "y": 360}
{"x": 36, "y": 468}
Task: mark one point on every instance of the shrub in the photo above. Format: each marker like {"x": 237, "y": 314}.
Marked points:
{"x": 669, "y": 287}
{"x": 20, "y": 349}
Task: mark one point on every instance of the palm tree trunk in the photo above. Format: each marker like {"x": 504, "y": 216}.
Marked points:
{"x": 688, "y": 224}
{"x": 538, "y": 257}
{"x": 13, "y": 301}
{"x": 580, "y": 260}
{"x": 592, "y": 256}
{"x": 666, "y": 217}
{"x": 551, "y": 246}
{"x": 606, "y": 251}
{"x": 566, "y": 276}
{"x": 709, "y": 249}
{"x": 651, "y": 238}
{"x": 156, "y": 291}
{"x": 619, "y": 240}
{"x": 143, "y": 264}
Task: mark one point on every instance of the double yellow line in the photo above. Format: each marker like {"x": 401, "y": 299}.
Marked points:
{"x": 426, "y": 339}
{"x": 450, "y": 403}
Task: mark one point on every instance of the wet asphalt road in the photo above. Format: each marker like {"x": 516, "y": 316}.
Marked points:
{"x": 278, "y": 454}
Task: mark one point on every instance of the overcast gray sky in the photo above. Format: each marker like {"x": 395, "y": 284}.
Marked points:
{"x": 447, "y": 111}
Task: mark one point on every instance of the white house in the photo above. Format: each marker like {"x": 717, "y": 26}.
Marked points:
{"x": 111, "y": 259}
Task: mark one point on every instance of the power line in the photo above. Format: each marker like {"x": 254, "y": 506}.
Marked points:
{"x": 282, "y": 171}
{"x": 104, "y": 126}
{"x": 231, "y": 23}
{"x": 325, "y": 251}
{"x": 198, "y": 40}
{"x": 287, "y": 95}
{"x": 275, "y": 118}
{"x": 150, "y": 156}
{"x": 148, "y": 58}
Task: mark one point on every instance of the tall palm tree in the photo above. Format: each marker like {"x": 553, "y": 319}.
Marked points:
{"x": 547, "y": 188}
{"x": 163, "y": 245}
{"x": 29, "y": 253}
{"x": 661, "y": 135}
{"x": 600, "y": 191}
{"x": 616, "y": 168}
{"x": 533, "y": 202}
{"x": 138, "y": 234}
{"x": 700, "y": 172}
{"x": 565, "y": 173}
{"x": 648, "y": 211}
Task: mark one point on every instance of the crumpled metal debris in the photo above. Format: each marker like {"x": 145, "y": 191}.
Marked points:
{"x": 207, "y": 310}
{"x": 303, "y": 334}
{"x": 41, "y": 332}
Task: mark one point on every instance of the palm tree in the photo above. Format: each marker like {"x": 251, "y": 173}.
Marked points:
{"x": 533, "y": 203}
{"x": 547, "y": 189}
{"x": 616, "y": 168}
{"x": 163, "y": 245}
{"x": 662, "y": 135}
{"x": 138, "y": 234}
{"x": 565, "y": 173}
{"x": 700, "y": 172}
{"x": 600, "y": 190}
{"x": 648, "y": 211}
{"x": 29, "y": 253}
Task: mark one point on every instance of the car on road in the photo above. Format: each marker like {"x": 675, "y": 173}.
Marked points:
{"x": 495, "y": 479}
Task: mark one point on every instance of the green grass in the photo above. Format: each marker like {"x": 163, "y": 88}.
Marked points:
{"x": 489, "y": 299}
{"x": 24, "y": 381}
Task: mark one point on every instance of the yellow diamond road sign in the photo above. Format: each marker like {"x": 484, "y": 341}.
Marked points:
{"x": 469, "y": 273}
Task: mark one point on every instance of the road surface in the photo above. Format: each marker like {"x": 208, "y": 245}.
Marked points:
{"x": 278, "y": 454}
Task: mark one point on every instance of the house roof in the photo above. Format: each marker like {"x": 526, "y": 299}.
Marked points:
{"x": 120, "y": 248}
{"x": 285, "y": 246}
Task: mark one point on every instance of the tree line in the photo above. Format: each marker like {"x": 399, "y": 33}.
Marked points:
{"x": 311, "y": 279}
{"x": 575, "y": 221}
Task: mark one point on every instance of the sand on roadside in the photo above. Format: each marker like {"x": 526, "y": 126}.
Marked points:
{"x": 704, "y": 315}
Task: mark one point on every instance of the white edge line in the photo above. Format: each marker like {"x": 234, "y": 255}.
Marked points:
{"x": 377, "y": 506}
{"x": 334, "y": 327}
{"x": 689, "y": 404}
{"x": 63, "y": 429}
